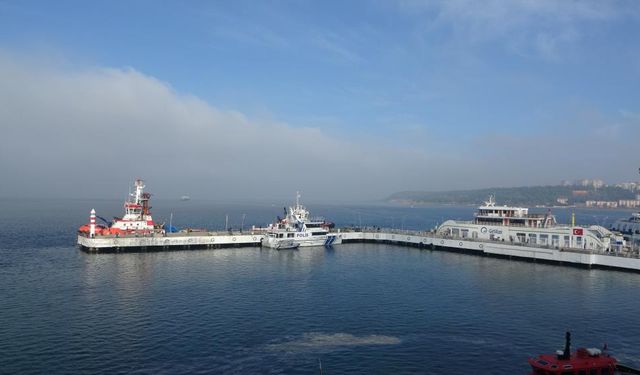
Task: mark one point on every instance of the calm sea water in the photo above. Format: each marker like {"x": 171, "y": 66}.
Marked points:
{"x": 360, "y": 308}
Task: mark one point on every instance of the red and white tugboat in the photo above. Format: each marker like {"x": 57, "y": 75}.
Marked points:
{"x": 584, "y": 361}
{"x": 136, "y": 220}
{"x": 137, "y": 217}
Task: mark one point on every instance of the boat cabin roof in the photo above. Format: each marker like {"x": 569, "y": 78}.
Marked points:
{"x": 582, "y": 362}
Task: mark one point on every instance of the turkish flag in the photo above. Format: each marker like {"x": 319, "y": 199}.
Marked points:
{"x": 577, "y": 231}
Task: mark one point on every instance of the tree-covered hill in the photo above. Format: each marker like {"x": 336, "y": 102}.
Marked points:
{"x": 530, "y": 195}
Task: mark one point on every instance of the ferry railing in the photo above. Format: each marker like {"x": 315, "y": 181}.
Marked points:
{"x": 627, "y": 253}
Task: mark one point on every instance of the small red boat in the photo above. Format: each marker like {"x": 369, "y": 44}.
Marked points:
{"x": 584, "y": 361}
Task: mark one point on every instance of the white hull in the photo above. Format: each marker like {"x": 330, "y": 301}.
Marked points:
{"x": 280, "y": 243}
{"x": 559, "y": 236}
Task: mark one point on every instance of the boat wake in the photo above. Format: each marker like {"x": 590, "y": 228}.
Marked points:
{"x": 323, "y": 341}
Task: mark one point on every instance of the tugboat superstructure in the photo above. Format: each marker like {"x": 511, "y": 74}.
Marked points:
{"x": 137, "y": 217}
{"x": 136, "y": 220}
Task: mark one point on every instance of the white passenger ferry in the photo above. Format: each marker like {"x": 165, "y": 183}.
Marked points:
{"x": 298, "y": 229}
{"x": 516, "y": 225}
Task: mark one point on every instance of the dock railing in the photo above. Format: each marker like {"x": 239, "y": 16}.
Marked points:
{"x": 626, "y": 252}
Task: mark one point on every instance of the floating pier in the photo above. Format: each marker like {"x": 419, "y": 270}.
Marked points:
{"x": 167, "y": 241}
{"x": 425, "y": 240}
{"x": 136, "y": 231}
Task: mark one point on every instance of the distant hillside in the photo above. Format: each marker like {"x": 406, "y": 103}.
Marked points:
{"x": 530, "y": 195}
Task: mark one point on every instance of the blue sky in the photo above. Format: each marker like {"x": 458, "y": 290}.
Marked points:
{"x": 466, "y": 94}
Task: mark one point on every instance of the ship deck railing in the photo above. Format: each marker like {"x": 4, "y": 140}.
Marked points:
{"x": 193, "y": 233}
{"x": 625, "y": 253}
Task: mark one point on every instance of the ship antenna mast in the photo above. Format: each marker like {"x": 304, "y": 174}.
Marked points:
{"x": 491, "y": 202}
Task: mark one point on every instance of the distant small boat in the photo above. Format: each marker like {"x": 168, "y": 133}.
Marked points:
{"x": 185, "y": 198}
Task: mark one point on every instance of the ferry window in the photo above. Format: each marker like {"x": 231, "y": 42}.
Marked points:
{"x": 455, "y": 232}
{"x": 566, "y": 241}
{"x": 544, "y": 239}
{"x": 555, "y": 239}
{"x": 521, "y": 237}
{"x": 579, "y": 241}
{"x": 474, "y": 234}
{"x": 533, "y": 238}
{"x": 465, "y": 233}
{"x": 289, "y": 234}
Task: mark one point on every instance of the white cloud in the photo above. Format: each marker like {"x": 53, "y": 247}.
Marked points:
{"x": 88, "y": 133}
{"x": 541, "y": 28}
{"x": 100, "y": 127}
